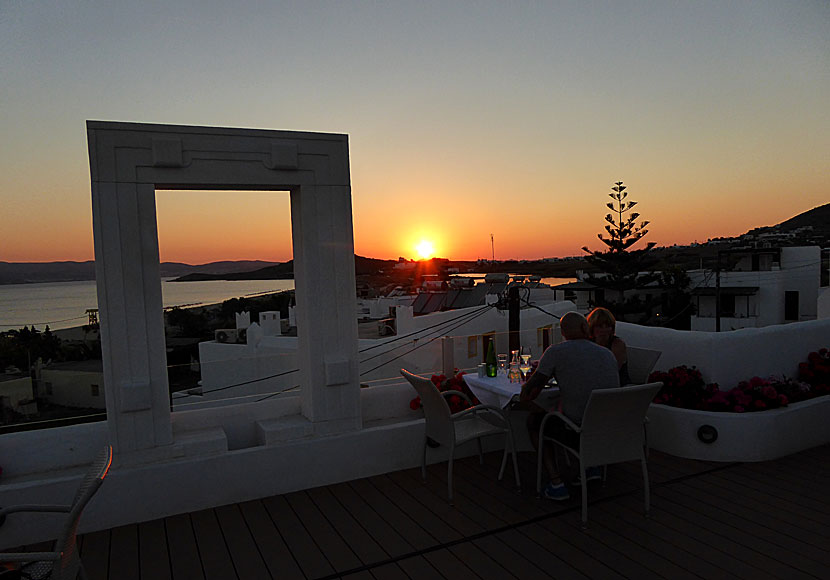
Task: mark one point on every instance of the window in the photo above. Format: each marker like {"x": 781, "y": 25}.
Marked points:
{"x": 485, "y": 342}
{"x": 791, "y": 305}
{"x": 96, "y": 392}
{"x": 727, "y": 305}
{"x": 472, "y": 346}
{"x": 543, "y": 336}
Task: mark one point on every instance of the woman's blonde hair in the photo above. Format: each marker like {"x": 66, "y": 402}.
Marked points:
{"x": 601, "y": 317}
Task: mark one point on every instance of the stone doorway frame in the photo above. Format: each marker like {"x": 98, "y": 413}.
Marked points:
{"x": 128, "y": 162}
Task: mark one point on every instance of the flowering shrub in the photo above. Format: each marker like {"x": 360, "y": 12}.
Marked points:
{"x": 684, "y": 387}
{"x": 454, "y": 383}
{"x": 816, "y": 371}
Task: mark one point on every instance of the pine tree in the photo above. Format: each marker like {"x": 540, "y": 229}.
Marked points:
{"x": 621, "y": 267}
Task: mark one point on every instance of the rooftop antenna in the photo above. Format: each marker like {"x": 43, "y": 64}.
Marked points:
{"x": 493, "y": 247}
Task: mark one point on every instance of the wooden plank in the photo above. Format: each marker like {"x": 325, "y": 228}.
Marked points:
{"x": 551, "y": 559}
{"x": 95, "y": 554}
{"x": 389, "y": 572}
{"x": 606, "y": 530}
{"x": 568, "y": 557}
{"x": 350, "y": 530}
{"x": 784, "y": 519}
{"x": 303, "y": 548}
{"x": 418, "y": 567}
{"x": 518, "y": 562}
{"x": 275, "y": 553}
{"x": 766, "y": 538}
{"x": 449, "y": 566}
{"x": 154, "y": 559}
{"x": 124, "y": 561}
{"x": 479, "y": 562}
{"x": 185, "y": 562}
{"x": 330, "y": 543}
{"x": 402, "y": 522}
{"x": 360, "y": 507}
{"x": 677, "y": 544}
{"x": 461, "y": 516}
{"x": 734, "y": 533}
{"x": 431, "y": 523}
{"x": 798, "y": 491}
{"x": 243, "y": 550}
{"x": 595, "y": 543}
{"x": 362, "y": 575}
{"x": 216, "y": 560}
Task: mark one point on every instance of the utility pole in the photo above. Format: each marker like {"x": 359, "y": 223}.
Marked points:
{"x": 717, "y": 294}
{"x": 513, "y": 318}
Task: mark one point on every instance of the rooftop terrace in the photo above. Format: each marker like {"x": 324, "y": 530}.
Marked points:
{"x": 708, "y": 520}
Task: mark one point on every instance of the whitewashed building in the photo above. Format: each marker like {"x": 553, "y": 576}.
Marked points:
{"x": 758, "y": 287}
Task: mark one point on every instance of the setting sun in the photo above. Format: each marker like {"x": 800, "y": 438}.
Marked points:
{"x": 425, "y": 249}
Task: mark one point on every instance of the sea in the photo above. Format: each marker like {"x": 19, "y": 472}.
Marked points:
{"x": 64, "y": 304}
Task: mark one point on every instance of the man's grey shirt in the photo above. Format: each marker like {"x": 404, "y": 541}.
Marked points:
{"x": 580, "y": 366}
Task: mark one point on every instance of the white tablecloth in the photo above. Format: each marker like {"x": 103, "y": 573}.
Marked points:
{"x": 496, "y": 391}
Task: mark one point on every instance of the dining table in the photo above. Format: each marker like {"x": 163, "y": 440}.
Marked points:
{"x": 499, "y": 392}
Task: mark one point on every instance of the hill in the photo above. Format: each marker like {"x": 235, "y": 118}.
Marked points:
{"x": 817, "y": 218}
{"x": 33, "y": 272}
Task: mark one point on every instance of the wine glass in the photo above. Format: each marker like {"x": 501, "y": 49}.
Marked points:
{"x": 502, "y": 364}
{"x": 524, "y": 367}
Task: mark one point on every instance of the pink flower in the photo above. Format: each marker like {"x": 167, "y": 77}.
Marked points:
{"x": 769, "y": 392}
{"x": 782, "y": 400}
{"x": 738, "y": 409}
{"x": 757, "y": 382}
{"x": 415, "y": 403}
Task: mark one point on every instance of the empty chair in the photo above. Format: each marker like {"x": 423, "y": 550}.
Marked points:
{"x": 453, "y": 430}
{"x": 611, "y": 432}
{"x": 641, "y": 362}
{"x": 63, "y": 562}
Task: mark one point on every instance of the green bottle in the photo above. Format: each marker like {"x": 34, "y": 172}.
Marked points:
{"x": 492, "y": 368}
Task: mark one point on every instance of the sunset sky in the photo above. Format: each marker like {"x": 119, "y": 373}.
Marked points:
{"x": 465, "y": 119}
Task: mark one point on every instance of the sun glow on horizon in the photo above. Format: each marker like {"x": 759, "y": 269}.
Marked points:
{"x": 425, "y": 249}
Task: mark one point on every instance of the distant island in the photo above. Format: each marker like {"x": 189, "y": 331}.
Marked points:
{"x": 808, "y": 228}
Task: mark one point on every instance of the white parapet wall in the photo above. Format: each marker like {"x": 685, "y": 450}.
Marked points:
{"x": 727, "y": 358}
{"x": 757, "y": 436}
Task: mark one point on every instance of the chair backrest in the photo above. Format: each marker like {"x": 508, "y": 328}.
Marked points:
{"x": 641, "y": 362}
{"x": 66, "y": 543}
{"x": 436, "y": 410}
{"x": 612, "y": 426}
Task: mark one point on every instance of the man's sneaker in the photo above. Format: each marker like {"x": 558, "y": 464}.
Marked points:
{"x": 591, "y": 474}
{"x": 556, "y": 492}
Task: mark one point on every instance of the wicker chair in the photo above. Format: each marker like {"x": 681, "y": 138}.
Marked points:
{"x": 452, "y": 430}
{"x": 63, "y": 562}
{"x": 611, "y": 432}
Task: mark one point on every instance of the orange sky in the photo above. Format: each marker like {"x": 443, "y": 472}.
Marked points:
{"x": 464, "y": 119}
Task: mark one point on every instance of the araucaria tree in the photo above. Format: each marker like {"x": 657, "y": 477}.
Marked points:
{"x": 620, "y": 267}
{"x": 623, "y": 231}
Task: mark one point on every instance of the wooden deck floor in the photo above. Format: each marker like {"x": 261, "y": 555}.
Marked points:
{"x": 754, "y": 521}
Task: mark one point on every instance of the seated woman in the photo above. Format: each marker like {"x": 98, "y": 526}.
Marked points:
{"x": 601, "y": 326}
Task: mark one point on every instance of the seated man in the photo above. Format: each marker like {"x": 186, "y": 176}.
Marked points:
{"x": 580, "y": 366}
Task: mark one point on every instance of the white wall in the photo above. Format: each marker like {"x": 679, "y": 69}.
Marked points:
{"x": 730, "y": 357}
{"x": 74, "y": 388}
{"x": 16, "y": 390}
{"x": 224, "y": 364}
{"x": 799, "y": 271}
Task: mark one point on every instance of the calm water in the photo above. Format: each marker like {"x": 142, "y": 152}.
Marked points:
{"x": 64, "y": 304}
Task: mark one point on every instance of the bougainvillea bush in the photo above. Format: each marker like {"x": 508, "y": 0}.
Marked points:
{"x": 454, "y": 383}
{"x": 684, "y": 387}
